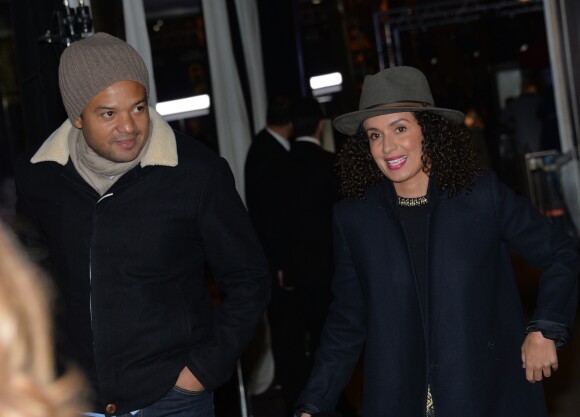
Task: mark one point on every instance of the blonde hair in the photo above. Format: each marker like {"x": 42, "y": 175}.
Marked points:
{"x": 29, "y": 386}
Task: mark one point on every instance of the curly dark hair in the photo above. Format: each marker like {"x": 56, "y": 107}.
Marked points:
{"x": 448, "y": 153}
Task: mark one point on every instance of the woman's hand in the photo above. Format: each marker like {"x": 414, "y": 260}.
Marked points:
{"x": 539, "y": 357}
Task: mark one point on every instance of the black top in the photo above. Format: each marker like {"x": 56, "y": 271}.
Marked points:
{"x": 414, "y": 221}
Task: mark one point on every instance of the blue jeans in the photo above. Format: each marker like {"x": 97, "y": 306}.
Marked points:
{"x": 179, "y": 403}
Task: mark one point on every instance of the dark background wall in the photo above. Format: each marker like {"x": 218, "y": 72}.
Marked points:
{"x": 36, "y": 65}
{"x": 300, "y": 39}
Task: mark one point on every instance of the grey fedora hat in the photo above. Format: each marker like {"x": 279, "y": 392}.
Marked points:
{"x": 393, "y": 90}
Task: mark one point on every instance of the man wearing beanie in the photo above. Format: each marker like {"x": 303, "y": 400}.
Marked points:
{"x": 126, "y": 215}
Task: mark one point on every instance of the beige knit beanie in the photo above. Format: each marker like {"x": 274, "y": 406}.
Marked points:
{"x": 89, "y": 66}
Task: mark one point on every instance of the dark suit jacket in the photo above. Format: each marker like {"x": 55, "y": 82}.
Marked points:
{"x": 311, "y": 192}
{"x": 468, "y": 345}
{"x": 262, "y": 172}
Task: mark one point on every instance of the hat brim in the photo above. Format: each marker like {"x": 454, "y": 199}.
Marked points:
{"x": 349, "y": 123}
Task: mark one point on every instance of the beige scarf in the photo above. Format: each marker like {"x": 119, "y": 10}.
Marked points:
{"x": 98, "y": 172}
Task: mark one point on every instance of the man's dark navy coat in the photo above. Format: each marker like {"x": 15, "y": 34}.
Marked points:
{"x": 468, "y": 339}
{"x": 130, "y": 266}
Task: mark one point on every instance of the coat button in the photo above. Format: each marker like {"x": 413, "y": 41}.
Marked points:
{"x": 111, "y": 408}
{"x": 434, "y": 365}
{"x": 491, "y": 344}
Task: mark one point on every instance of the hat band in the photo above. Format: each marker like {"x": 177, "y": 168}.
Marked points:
{"x": 401, "y": 104}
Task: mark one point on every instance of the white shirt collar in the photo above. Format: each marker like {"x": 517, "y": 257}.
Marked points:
{"x": 308, "y": 139}
{"x": 281, "y": 140}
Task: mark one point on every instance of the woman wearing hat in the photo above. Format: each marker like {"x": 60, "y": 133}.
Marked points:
{"x": 424, "y": 284}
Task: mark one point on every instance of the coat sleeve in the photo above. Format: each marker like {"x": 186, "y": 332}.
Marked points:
{"x": 546, "y": 245}
{"x": 344, "y": 332}
{"x": 238, "y": 264}
{"x": 24, "y": 223}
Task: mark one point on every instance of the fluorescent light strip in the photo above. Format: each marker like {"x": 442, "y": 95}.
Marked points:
{"x": 326, "y": 90}
{"x": 326, "y": 80}
{"x": 322, "y": 85}
{"x": 184, "y": 108}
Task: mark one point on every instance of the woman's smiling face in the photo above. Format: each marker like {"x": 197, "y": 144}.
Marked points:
{"x": 396, "y": 146}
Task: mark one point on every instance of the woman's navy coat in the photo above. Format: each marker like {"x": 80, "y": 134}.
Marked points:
{"x": 469, "y": 338}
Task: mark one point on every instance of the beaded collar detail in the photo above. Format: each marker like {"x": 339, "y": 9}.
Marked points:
{"x": 412, "y": 202}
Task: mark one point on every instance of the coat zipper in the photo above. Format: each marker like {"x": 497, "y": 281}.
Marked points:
{"x": 91, "y": 273}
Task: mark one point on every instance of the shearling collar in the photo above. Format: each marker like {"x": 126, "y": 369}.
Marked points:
{"x": 162, "y": 149}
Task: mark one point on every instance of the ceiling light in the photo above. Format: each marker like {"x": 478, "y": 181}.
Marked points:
{"x": 184, "y": 108}
{"x": 326, "y": 83}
